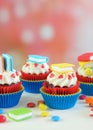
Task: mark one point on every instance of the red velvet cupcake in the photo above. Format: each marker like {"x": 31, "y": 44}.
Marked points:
{"x": 62, "y": 82}
{"x": 85, "y": 73}
{"x": 34, "y": 73}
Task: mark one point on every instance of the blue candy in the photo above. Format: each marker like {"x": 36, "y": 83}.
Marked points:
{"x": 8, "y": 62}
{"x": 38, "y": 59}
{"x": 55, "y": 118}
{"x": 1, "y": 111}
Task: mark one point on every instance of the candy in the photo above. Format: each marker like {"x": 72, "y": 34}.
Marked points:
{"x": 38, "y": 59}
{"x": 40, "y": 101}
{"x": 31, "y": 104}
{"x": 1, "y": 111}
{"x": 1, "y": 64}
{"x": 2, "y": 119}
{"x": 8, "y": 62}
{"x": 19, "y": 114}
{"x": 91, "y": 112}
{"x": 82, "y": 97}
{"x": 42, "y": 107}
{"x": 55, "y": 118}
{"x": 44, "y": 113}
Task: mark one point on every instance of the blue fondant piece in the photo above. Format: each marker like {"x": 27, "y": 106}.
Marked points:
{"x": 8, "y": 62}
{"x": 38, "y": 59}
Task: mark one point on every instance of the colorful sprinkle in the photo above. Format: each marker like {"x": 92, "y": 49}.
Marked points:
{"x": 1, "y": 76}
{"x": 44, "y": 113}
{"x": 51, "y": 75}
{"x": 42, "y": 66}
{"x": 73, "y": 75}
{"x": 13, "y": 75}
{"x": 17, "y": 74}
{"x": 55, "y": 118}
{"x": 42, "y": 107}
{"x": 31, "y": 104}
{"x": 35, "y": 65}
{"x": 2, "y": 119}
{"x": 26, "y": 64}
{"x": 60, "y": 76}
{"x": 69, "y": 77}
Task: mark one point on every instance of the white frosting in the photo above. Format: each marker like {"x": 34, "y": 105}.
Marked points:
{"x": 64, "y": 81}
{"x": 81, "y": 71}
{"x": 9, "y": 77}
{"x": 34, "y": 68}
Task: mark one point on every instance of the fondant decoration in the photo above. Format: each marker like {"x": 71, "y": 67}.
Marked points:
{"x": 38, "y": 59}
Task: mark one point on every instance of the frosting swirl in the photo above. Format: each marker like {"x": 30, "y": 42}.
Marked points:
{"x": 34, "y": 68}
{"x": 65, "y": 79}
{"x": 86, "y": 72}
{"x": 9, "y": 77}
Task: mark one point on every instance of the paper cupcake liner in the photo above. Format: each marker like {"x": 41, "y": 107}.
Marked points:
{"x": 34, "y": 76}
{"x": 60, "y": 101}
{"x": 87, "y": 88}
{"x": 32, "y": 86}
{"x": 10, "y": 99}
{"x": 57, "y": 90}
{"x": 84, "y": 79}
{"x": 10, "y": 88}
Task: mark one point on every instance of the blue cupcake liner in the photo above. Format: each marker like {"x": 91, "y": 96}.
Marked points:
{"x": 10, "y": 99}
{"x": 87, "y": 88}
{"x": 60, "y": 101}
{"x": 31, "y": 86}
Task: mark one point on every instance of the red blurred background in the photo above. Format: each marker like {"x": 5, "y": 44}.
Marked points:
{"x": 59, "y": 29}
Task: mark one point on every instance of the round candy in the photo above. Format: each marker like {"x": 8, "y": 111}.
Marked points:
{"x": 31, "y": 104}
{"x": 55, "y": 118}
{"x": 2, "y": 119}
{"x": 40, "y": 101}
{"x": 1, "y": 111}
{"x": 42, "y": 107}
{"x": 82, "y": 97}
{"x": 44, "y": 113}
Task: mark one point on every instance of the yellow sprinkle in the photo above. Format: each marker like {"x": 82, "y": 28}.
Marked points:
{"x": 42, "y": 107}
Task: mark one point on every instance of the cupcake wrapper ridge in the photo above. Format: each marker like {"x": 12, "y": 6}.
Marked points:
{"x": 60, "y": 101}
{"x": 87, "y": 88}
{"x": 32, "y": 86}
{"x": 10, "y": 99}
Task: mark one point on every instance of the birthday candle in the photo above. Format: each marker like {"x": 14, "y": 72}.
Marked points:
{"x": 8, "y": 62}
{"x": 1, "y": 64}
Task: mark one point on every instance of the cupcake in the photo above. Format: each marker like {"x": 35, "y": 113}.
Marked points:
{"x": 85, "y": 73}
{"x": 34, "y": 72}
{"x": 10, "y": 85}
{"x": 61, "y": 88}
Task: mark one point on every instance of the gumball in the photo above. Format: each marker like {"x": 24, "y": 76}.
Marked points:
{"x": 2, "y": 119}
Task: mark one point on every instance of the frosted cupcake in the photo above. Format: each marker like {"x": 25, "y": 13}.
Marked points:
{"x": 10, "y": 85}
{"x": 85, "y": 73}
{"x": 34, "y": 73}
{"x": 61, "y": 89}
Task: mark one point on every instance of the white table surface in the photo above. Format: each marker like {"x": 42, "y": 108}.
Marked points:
{"x": 76, "y": 118}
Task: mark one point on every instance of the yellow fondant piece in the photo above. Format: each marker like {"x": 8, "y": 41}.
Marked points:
{"x": 83, "y": 64}
{"x": 62, "y": 67}
{"x": 88, "y": 72}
